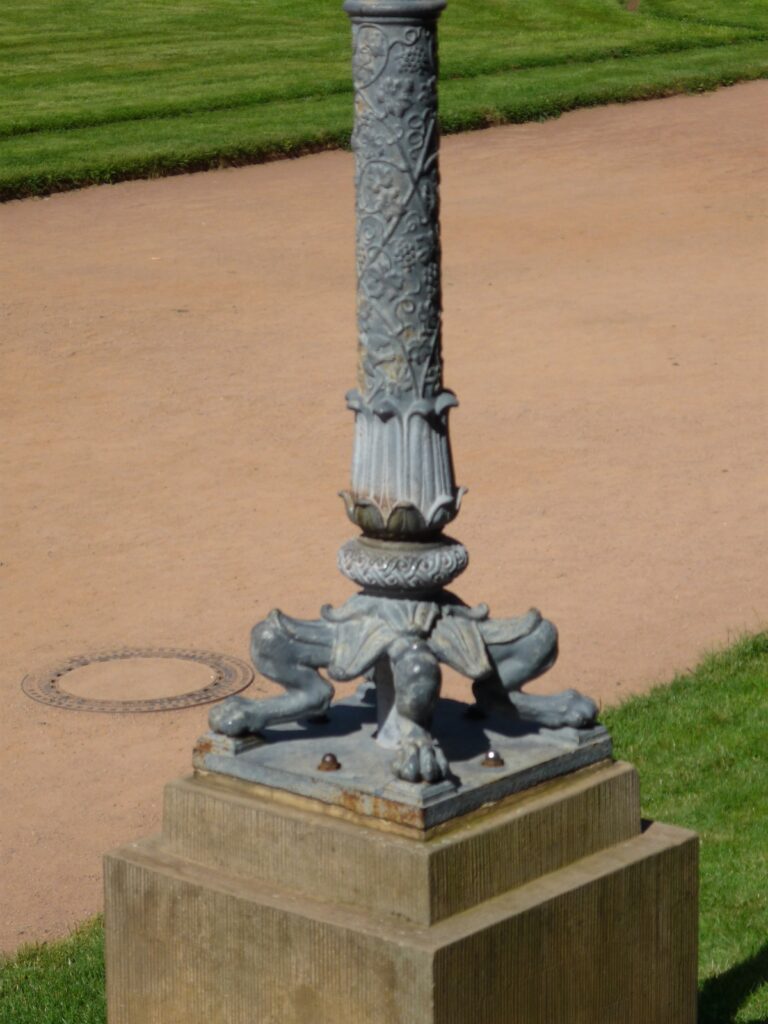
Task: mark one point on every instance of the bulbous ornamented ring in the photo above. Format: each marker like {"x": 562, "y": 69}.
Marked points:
{"x": 388, "y": 565}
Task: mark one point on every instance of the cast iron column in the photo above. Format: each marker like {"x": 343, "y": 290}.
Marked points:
{"x": 403, "y": 489}
{"x": 403, "y": 486}
{"x": 403, "y": 624}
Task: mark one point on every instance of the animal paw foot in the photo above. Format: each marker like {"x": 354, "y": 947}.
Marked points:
{"x": 578, "y": 711}
{"x": 420, "y": 760}
{"x": 569, "y": 708}
{"x": 236, "y": 716}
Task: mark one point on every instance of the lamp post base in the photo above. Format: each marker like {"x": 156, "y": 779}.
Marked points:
{"x": 345, "y": 759}
{"x": 398, "y": 639}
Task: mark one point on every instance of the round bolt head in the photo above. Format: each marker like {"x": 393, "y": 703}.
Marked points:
{"x": 329, "y": 763}
{"x": 493, "y": 759}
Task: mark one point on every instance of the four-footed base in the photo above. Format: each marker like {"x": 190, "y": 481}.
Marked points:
{"x": 290, "y": 757}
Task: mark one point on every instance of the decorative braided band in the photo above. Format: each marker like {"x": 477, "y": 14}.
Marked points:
{"x": 387, "y": 565}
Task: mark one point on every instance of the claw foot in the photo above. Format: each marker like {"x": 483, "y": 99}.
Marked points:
{"x": 237, "y": 716}
{"x": 569, "y": 708}
{"x": 576, "y": 710}
{"x": 420, "y": 760}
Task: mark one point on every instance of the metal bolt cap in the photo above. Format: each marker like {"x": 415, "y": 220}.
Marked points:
{"x": 493, "y": 759}
{"x": 329, "y": 763}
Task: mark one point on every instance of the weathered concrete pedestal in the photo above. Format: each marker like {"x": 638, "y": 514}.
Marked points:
{"x": 554, "y": 905}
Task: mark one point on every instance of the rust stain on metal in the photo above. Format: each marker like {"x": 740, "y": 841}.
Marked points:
{"x": 380, "y": 807}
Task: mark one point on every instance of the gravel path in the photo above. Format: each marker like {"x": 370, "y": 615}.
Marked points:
{"x": 174, "y": 358}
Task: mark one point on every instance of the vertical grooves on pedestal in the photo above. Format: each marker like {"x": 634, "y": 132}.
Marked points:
{"x": 600, "y": 814}
{"x": 613, "y": 941}
{"x": 207, "y": 955}
{"x": 304, "y": 853}
{"x": 192, "y": 944}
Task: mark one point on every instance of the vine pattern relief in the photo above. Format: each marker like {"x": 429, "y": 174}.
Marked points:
{"x": 398, "y": 243}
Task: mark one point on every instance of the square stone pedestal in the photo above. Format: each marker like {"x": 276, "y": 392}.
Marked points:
{"x": 255, "y": 905}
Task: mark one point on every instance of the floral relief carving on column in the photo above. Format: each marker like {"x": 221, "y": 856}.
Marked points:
{"x": 399, "y": 377}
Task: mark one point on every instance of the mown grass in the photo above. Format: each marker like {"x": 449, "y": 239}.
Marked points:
{"x": 99, "y": 90}
{"x": 58, "y": 983}
{"x": 699, "y": 744}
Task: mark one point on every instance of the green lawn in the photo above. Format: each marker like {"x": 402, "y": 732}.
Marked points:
{"x": 700, "y": 747}
{"x": 699, "y": 744}
{"x": 100, "y": 90}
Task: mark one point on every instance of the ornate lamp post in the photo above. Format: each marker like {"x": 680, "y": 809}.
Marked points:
{"x": 403, "y": 623}
{"x": 307, "y": 875}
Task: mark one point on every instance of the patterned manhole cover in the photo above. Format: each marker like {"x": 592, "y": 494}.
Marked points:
{"x": 226, "y": 675}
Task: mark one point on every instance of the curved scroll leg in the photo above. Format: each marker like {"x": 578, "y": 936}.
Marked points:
{"x": 288, "y": 651}
{"x": 519, "y": 661}
{"x": 417, "y": 677}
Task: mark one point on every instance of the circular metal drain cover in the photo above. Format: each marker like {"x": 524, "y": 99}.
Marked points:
{"x": 230, "y": 675}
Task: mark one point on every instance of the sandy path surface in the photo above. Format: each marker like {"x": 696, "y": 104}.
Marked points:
{"x": 175, "y": 355}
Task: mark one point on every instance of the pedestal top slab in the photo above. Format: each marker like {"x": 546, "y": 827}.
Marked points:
{"x": 288, "y": 757}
